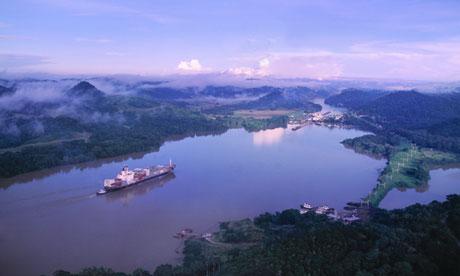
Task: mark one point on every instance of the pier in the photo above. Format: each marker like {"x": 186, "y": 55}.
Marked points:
{"x": 353, "y": 211}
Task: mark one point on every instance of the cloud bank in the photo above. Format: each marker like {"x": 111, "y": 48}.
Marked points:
{"x": 438, "y": 61}
{"x": 193, "y": 65}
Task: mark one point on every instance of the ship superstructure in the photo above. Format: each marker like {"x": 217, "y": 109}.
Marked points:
{"x": 127, "y": 177}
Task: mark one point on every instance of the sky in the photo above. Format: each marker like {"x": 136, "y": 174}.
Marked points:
{"x": 388, "y": 39}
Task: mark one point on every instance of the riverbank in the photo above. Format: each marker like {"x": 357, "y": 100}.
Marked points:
{"x": 225, "y": 177}
{"x": 407, "y": 166}
{"x": 400, "y": 242}
{"x": 105, "y": 142}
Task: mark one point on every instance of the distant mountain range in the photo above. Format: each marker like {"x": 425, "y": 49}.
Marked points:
{"x": 355, "y": 98}
{"x": 85, "y": 89}
{"x": 429, "y": 120}
{"x": 6, "y": 91}
{"x": 407, "y": 109}
{"x": 46, "y": 123}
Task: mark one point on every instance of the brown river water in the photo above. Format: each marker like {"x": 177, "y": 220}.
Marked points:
{"x": 53, "y": 220}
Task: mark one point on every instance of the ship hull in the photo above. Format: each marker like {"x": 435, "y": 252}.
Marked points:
{"x": 113, "y": 189}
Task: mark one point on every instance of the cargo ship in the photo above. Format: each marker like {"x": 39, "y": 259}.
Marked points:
{"x": 126, "y": 178}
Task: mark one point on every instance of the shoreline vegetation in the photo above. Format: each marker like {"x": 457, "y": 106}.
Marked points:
{"x": 416, "y": 240}
{"x": 407, "y": 166}
{"x": 414, "y": 132}
{"x": 88, "y": 124}
{"x": 249, "y": 124}
{"x": 44, "y": 156}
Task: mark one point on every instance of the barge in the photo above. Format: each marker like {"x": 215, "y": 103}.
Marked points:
{"x": 126, "y": 178}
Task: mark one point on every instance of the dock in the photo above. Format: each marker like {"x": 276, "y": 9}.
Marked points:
{"x": 352, "y": 212}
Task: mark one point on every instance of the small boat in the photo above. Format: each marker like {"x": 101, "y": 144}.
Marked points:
{"x": 187, "y": 232}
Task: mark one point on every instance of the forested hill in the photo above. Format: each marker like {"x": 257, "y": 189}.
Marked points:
{"x": 410, "y": 109}
{"x": 405, "y": 109}
{"x": 355, "y": 98}
{"x": 276, "y": 99}
{"x": 5, "y": 91}
{"x": 85, "y": 89}
{"x": 165, "y": 93}
{"x": 417, "y": 240}
{"x": 83, "y": 123}
{"x": 229, "y": 91}
{"x": 48, "y": 123}
{"x": 429, "y": 120}
{"x": 282, "y": 100}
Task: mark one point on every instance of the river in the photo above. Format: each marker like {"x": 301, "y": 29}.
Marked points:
{"x": 442, "y": 182}
{"x": 53, "y": 220}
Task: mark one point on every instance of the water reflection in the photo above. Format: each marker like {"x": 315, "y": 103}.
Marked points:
{"x": 442, "y": 183}
{"x": 127, "y": 194}
{"x": 328, "y": 108}
{"x": 267, "y": 137}
{"x": 37, "y": 175}
{"x": 422, "y": 188}
{"x": 42, "y": 174}
{"x": 419, "y": 189}
{"x": 218, "y": 178}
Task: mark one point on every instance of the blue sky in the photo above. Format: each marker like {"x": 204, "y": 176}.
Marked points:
{"x": 317, "y": 39}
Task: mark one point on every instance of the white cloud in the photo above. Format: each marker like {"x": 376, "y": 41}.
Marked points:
{"x": 312, "y": 65}
{"x": 192, "y": 65}
{"x": 260, "y": 70}
{"x": 264, "y": 63}
{"x": 317, "y": 65}
{"x": 411, "y": 60}
{"x": 246, "y": 71}
{"x": 376, "y": 59}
